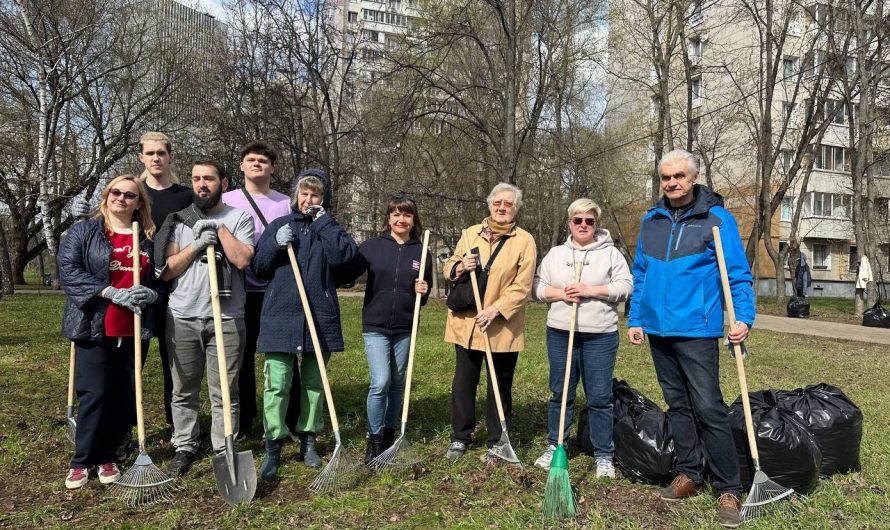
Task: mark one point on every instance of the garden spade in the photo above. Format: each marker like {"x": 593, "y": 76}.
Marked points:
{"x": 235, "y": 472}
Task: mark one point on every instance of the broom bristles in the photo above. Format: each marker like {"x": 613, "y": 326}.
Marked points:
{"x": 559, "y": 499}
{"x": 143, "y": 484}
{"x": 342, "y": 472}
{"x": 400, "y": 456}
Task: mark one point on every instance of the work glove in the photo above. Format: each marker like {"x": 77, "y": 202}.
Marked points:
{"x": 204, "y": 239}
{"x": 80, "y": 208}
{"x": 732, "y": 350}
{"x": 315, "y": 211}
{"x": 284, "y": 235}
{"x": 124, "y": 298}
{"x": 202, "y": 225}
{"x": 143, "y": 295}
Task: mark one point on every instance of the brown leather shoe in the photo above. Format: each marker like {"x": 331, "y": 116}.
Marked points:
{"x": 681, "y": 488}
{"x": 728, "y": 507}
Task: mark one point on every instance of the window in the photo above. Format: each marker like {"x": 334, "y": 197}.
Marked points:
{"x": 353, "y": 16}
{"x": 787, "y": 208}
{"x": 852, "y": 258}
{"x": 787, "y": 160}
{"x": 695, "y": 12}
{"x": 696, "y": 87}
{"x": 694, "y": 127}
{"x": 790, "y": 66}
{"x": 881, "y": 208}
{"x": 836, "y": 205}
{"x": 696, "y": 50}
{"x": 821, "y": 257}
{"x": 821, "y": 204}
{"x": 831, "y": 158}
{"x": 788, "y": 113}
{"x": 794, "y": 23}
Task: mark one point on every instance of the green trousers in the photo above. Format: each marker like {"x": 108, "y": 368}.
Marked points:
{"x": 279, "y": 374}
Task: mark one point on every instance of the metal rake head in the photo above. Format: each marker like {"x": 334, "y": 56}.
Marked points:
{"x": 342, "y": 472}
{"x": 399, "y": 457}
{"x": 143, "y": 484}
{"x": 71, "y": 430}
{"x": 765, "y": 497}
{"x": 504, "y": 450}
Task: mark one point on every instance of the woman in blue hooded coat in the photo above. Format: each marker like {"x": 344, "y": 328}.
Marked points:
{"x": 320, "y": 245}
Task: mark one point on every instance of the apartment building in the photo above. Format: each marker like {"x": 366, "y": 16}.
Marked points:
{"x": 712, "y": 66}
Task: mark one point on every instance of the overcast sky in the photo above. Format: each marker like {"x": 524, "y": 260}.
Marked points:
{"x": 214, "y": 7}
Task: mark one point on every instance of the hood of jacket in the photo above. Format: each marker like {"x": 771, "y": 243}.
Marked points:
{"x": 322, "y": 176}
{"x": 601, "y": 239}
{"x": 704, "y": 198}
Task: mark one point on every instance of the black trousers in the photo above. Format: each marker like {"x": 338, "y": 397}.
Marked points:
{"x": 103, "y": 380}
{"x": 247, "y": 376}
{"x": 160, "y": 312}
{"x": 467, "y": 370}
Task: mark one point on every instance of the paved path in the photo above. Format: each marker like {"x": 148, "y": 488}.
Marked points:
{"x": 805, "y": 326}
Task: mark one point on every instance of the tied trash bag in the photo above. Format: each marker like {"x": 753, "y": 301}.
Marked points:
{"x": 789, "y": 452}
{"x": 799, "y": 307}
{"x": 834, "y": 420}
{"x": 876, "y": 317}
{"x": 644, "y": 448}
{"x": 624, "y": 397}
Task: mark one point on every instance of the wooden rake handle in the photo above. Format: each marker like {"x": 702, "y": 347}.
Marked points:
{"x": 737, "y": 348}
{"x": 137, "y": 341}
{"x": 313, "y": 333}
{"x": 414, "y": 324}
{"x": 565, "y": 381}
{"x": 228, "y": 429}
{"x": 71, "y": 360}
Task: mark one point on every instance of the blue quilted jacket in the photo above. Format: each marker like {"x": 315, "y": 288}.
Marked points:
{"x": 320, "y": 246}
{"x": 677, "y": 287}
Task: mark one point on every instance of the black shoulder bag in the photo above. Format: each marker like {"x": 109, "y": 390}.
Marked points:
{"x": 460, "y": 298}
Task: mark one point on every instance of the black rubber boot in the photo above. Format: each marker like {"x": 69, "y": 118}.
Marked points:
{"x": 271, "y": 460}
{"x": 389, "y": 436}
{"x": 374, "y": 447}
{"x": 308, "y": 452}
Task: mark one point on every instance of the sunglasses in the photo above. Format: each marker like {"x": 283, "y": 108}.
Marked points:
{"x": 586, "y": 220}
{"x": 128, "y": 195}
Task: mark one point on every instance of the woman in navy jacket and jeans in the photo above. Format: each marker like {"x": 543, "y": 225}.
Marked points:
{"x": 95, "y": 268}
{"x": 392, "y": 260}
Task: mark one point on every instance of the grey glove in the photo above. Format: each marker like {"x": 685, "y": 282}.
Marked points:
{"x": 204, "y": 239}
{"x": 315, "y": 211}
{"x": 124, "y": 298}
{"x": 80, "y": 208}
{"x": 284, "y": 235}
{"x": 202, "y": 225}
{"x": 732, "y": 350}
{"x": 143, "y": 295}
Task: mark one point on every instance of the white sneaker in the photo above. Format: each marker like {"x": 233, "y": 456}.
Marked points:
{"x": 543, "y": 461}
{"x": 605, "y": 468}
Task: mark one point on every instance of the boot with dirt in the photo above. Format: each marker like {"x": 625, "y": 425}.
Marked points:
{"x": 308, "y": 451}
{"x": 271, "y": 460}
{"x": 373, "y": 448}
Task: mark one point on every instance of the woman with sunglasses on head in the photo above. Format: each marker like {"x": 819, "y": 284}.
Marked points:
{"x": 510, "y": 276}
{"x": 605, "y": 281}
{"x": 392, "y": 261}
{"x": 96, "y": 270}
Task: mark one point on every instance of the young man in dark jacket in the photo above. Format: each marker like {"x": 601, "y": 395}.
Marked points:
{"x": 320, "y": 245}
{"x": 678, "y": 302}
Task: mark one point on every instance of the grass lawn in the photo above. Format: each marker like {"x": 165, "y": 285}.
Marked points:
{"x": 465, "y": 494}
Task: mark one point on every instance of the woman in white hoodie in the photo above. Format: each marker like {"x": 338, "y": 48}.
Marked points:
{"x": 605, "y": 282}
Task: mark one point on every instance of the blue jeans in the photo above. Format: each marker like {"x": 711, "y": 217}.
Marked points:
{"x": 688, "y": 372}
{"x": 593, "y": 360}
{"x": 387, "y": 361}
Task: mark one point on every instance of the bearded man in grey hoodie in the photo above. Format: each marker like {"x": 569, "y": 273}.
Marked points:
{"x": 605, "y": 281}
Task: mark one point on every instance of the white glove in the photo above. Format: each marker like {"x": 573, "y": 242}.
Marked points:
{"x": 315, "y": 211}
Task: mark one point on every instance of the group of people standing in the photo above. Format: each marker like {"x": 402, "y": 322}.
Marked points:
{"x": 674, "y": 292}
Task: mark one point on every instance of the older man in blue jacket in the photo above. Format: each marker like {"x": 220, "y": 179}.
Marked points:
{"x": 677, "y": 302}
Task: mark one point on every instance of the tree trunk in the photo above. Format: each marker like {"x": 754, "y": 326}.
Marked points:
{"x": 7, "y": 285}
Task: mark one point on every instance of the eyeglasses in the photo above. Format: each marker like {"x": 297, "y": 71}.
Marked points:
{"x": 401, "y": 197}
{"x": 128, "y": 195}
{"x": 589, "y": 221}
{"x": 505, "y": 204}
{"x": 679, "y": 177}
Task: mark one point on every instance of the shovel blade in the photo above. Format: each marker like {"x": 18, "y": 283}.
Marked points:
{"x": 242, "y": 490}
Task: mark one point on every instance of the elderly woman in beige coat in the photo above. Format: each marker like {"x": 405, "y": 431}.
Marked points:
{"x": 502, "y": 317}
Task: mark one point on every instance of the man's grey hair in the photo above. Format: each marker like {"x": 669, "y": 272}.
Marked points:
{"x": 503, "y": 186}
{"x": 677, "y": 155}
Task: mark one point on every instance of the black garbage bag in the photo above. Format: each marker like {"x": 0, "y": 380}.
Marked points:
{"x": 834, "y": 420}
{"x": 789, "y": 452}
{"x": 799, "y": 307}
{"x": 644, "y": 447}
{"x": 624, "y": 397}
{"x": 876, "y": 317}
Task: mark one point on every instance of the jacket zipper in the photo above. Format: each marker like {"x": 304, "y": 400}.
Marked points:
{"x": 395, "y": 287}
{"x": 679, "y": 237}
